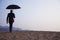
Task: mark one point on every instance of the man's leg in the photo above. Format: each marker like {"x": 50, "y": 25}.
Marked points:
{"x": 10, "y": 27}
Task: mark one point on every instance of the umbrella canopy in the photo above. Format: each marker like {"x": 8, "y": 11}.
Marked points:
{"x": 13, "y": 7}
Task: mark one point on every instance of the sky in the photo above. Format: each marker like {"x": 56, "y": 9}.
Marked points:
{"x": 39, "y": 15}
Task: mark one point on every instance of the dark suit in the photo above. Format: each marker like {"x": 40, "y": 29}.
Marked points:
{"x": 10, "y": 17}
{"x": 10, "y": 20}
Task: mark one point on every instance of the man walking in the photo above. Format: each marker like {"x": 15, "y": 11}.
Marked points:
{"x": 10, "y": 20}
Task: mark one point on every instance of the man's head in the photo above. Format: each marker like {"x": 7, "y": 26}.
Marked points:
{"x": 11, "y": 11}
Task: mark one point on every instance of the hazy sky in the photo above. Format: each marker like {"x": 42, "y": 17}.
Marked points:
{"x": 34, "y": 14}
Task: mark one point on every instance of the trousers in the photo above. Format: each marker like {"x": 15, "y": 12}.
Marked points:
{"x": 10, "y": 27}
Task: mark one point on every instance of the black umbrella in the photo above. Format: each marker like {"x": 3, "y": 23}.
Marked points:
{"x": 13, "y": 7}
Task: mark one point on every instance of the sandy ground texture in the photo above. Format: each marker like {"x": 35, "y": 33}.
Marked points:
{"x": 29, "y": 35}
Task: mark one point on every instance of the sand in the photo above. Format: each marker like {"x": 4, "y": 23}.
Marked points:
{"x": 29, "y": 35}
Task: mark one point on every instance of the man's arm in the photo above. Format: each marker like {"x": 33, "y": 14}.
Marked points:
{"x": 14, "y": 15}
{"x": 7, "y": 19}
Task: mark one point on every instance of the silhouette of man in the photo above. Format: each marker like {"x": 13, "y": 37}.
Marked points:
{"x": 10, "y": 20}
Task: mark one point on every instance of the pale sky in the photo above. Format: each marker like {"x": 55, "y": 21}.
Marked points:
{"x": 39, "y": 15}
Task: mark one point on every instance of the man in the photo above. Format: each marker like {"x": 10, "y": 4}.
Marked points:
{"x": 10, "y": 20}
